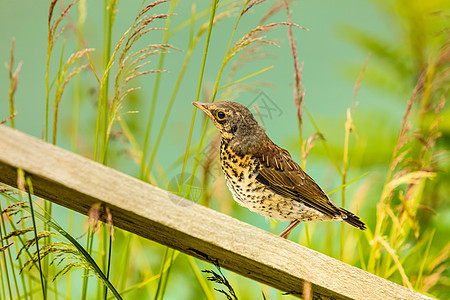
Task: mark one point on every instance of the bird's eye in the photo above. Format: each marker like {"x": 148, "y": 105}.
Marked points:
{"x": 221, "y": 115}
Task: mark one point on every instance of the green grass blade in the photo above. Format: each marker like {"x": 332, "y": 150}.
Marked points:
{"x": 200, "y": 80}
{"x": 30, "y": 191}
{"x": 5, "y": 263}
{"x": 109, "y": 16}
{"x": 324, "y": 142}
{"x": 167, "y": 273}
{"x": 22, "y": 242}
{"x": 347, "y": 183}
{"x": 108, "y": 266}
{"x": 77, "y": 84}
{"x": 201, "y": 280}
{"x": 91, "y": 64}
{"x": 16, "y": 286}
{"x": 161, "y": 273}
{"x": 246, "y": 77}
{"x": 137, "y": 286}
{"x": 171, "y": 101}
{"x": 361, "y": 254}
{"x": 151, "y": 113}
{"x": 121, "y": 276}
{"x": 424, "y": 260}
{"x": 53, "y": 225}
{"x": 225, "y": 61}
{"x": 89, "y": 239}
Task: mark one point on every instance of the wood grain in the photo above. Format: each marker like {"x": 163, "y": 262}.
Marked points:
{"x": 78, "y": 183}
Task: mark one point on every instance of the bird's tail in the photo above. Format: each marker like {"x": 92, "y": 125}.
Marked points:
{"x": 352, "y": 219}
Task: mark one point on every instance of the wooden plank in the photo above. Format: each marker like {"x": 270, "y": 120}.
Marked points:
{"x": 78, "y": 183}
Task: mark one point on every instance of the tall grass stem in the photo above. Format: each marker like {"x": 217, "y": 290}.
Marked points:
{"x": 30, "y": 202}
{"x": 151, "y": 113}
{"x": 200, "y": 80}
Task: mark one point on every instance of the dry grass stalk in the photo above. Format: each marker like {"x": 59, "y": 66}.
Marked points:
{"x": 94, "y": 217}
{"x": 17, "y": 232}
{"x": 253, "y": 3}
{"x": 412, "y": 164}
{"x": 252, "y": 52}
{"x": 307, "y": 291}
{"x": 299, "y": 91}
{"x": 62, "y": 82}
{"x": 277, "y": 6}
{"x": 13, "y": 81}
{"x": 129, "y": 62}
{"x": 148, "y": 7}
{"x": 309, "y": 145}
{"x": 436, "y": 268}
{"x": 396, "y": 259}
{"x": 358, "y": 81}
{"x": 29, "y": 243}
{"x": 98, "y": 212}
{"x": 248, "y": 55}
{"x": 109, "y": 221}
{"x": 53, "y": 34}
{"x": 254, "y": 36}
{"x": 298, "y": 98}
{"x": 52, "y": 27}
{"x": 8, "y": 118}
{"x": 6, "y": 247}
{"x": 59, "y": 251}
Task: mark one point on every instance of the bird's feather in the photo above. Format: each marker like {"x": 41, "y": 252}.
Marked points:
{"x": 285, "y": 177}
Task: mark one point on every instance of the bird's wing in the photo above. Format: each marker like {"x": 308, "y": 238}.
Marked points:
{"x": 284, "y": 176}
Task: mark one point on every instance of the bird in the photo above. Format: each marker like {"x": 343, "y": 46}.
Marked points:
{"x": 263, "y": 177}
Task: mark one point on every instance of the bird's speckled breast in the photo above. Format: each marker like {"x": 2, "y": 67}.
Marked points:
{"x": 241, "y": 172}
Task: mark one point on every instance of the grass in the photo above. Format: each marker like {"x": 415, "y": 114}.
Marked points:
{"x": 403, "y": 241}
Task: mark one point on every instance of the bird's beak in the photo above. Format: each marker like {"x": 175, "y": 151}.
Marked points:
{"x": 203, "y": 107}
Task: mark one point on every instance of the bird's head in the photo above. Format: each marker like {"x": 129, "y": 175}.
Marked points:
{"x": 231, "y": 118}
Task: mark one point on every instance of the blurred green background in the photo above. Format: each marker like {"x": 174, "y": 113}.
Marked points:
{"x": 400, "y": 37}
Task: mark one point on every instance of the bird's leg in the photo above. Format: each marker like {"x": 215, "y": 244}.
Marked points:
{"x": 285, "y": 233}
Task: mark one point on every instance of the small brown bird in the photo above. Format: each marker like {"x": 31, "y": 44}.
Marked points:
{"x": 263, "y": 177}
